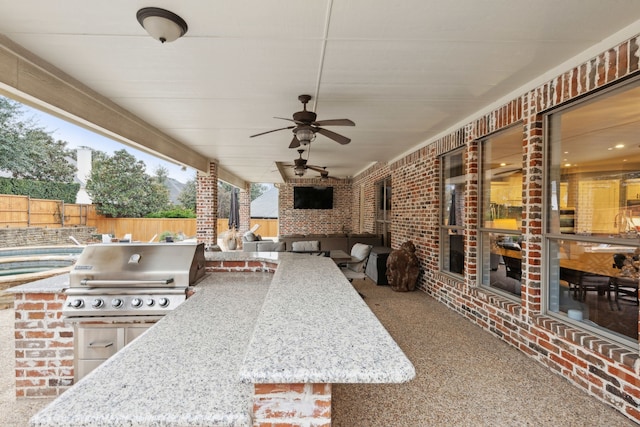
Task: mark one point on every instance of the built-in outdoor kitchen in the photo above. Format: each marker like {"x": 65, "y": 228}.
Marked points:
{"x": 116, "y": 292}
{"x": 239, "y": 342}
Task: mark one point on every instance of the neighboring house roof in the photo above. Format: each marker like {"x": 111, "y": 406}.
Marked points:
{"x": 265, "y": 206}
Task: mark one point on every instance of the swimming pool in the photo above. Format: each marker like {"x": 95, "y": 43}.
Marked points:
{"x": 26, "y": 264}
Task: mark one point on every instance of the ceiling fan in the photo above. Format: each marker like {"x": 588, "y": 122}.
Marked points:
{"x": 300, "y": 166}
{"x": 306, "y": 126}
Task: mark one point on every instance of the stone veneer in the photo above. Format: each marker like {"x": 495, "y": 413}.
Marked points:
{"x": 38, "y": 236}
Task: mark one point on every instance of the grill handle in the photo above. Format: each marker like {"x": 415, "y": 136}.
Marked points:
{"x": 87, "y": 282}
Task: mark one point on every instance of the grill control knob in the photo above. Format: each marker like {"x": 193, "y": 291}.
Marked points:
{"x": 136, "y": 302}
{"x": 163, "y": 302}
{"x": 76, "y": 303}
{"x": 150, "y": 302}
{"x": 116, "y": 303}
{"x": 97, "y": 303}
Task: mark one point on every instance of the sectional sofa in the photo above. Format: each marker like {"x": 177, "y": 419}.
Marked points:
{"x": 328, "y": 242}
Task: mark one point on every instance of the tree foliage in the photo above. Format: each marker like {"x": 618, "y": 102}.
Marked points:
{"x": 28, "y": 151}
{"x": 257, "y": 190}
{"x": 187, "y": 197}
{"x": 119, "y": 187}
{"x": 224, "y": 199}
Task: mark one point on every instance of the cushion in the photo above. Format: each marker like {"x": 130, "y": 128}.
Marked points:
{"x": 270, "y": 247}
{"x": 249, "y": 237}
{"x": 311, "y": 245}
{"x": 361, "y": 252}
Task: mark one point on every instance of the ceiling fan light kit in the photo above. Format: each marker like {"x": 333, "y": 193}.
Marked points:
{"x": 162, "y": 24}
{"x": 305, "y": 135}
{"x": 300, "y": 167}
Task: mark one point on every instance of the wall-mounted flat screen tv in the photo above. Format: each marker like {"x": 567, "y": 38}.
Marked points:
{"x": 313, "y": 197}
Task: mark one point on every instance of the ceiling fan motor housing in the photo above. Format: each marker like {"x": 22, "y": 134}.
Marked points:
{"x": 306, "y": 117}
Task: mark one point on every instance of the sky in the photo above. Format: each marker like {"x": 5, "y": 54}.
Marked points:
{"x": 76, "y": 136}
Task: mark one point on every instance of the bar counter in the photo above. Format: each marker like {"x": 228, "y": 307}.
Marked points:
{"x": 246, "y": 344}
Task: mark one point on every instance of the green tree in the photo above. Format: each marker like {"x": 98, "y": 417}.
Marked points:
{"x": 224, "y": 199}
{"x": 28, "y": 151}
{"x": 257, "y": 190}
{"x": 187, "y": 197}
{"x": 119, "y": 187}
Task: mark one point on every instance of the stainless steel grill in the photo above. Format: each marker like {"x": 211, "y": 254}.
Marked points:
{"x": 118, "y": 290}
{"x": 124, "y": 280}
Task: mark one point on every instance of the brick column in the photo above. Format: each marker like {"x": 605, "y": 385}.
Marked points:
{"x": 44, "y": 346}
{"x": 292, "y": 405}
{"x": 207, "y": 206}
{"x": 245, "y": 211}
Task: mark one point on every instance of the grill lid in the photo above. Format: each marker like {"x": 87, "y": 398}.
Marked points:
{"x": 163, "y": 265}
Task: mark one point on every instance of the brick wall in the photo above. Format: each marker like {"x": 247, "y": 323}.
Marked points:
{"x": 207, "y": 206}
{"x": 364, "y": 185}
{"x": 240, "y": 266}
{"x": 318, "y": 221}
{"x": 292, "y": 405}
{"x": 44, "y": 346}
{"x": 244, "y": 199}
{"x": 37, "y": 236}
{"x": 601, "y": 368}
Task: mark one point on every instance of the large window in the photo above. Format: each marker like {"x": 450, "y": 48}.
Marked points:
{"x": 452, "y": 212}
{"x": 501, "y": 210}
{"x": 593, "y": 213}
{"x": 383, "y": 210}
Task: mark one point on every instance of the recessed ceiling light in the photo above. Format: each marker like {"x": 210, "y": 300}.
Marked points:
{"x": 619, "y": 145}
{"x": 503, "y": 164}
{"x": 567, "y": 165}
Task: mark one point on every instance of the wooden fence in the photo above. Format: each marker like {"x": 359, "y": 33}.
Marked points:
{"x": 268, "y": 227}
{"x": 23, "y": 211}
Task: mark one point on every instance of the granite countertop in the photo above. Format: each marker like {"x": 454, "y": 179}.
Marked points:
{"x": 182, "y": 371}
{"x": 53, "y": 284}
{"x": 315, "y": 328}
{"x": 197, "y": 366}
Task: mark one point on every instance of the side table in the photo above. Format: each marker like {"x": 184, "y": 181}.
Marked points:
{"x": 377, "y": 265}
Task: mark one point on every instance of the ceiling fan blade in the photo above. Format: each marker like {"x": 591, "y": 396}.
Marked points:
{"x": 294, "y": 142}
{"x": 335, "y": 122}
{"x": 332, "y": 135}
{"x": 284, "y": 118}
{"x": 269, "y": 131}
{"x": 316, "y": 168}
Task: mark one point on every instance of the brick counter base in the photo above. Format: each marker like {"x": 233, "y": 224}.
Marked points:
{"x": 241, "y": 266}
{"x": 292, "y": 405}
{"x": 44, "y": 345}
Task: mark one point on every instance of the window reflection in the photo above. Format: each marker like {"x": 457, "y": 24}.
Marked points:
{"x": 502, "y": 211}
{"x": 596, "y": 285}
{"x": 452, "y": 213}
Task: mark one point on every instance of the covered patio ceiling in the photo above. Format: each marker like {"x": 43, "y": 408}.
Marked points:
{"x": 404, "y": 72}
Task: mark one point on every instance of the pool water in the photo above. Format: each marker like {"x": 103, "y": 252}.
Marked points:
{"x": 26, "y": 264}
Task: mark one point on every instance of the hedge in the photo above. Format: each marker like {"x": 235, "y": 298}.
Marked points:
{"x": 39, "y": 189}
